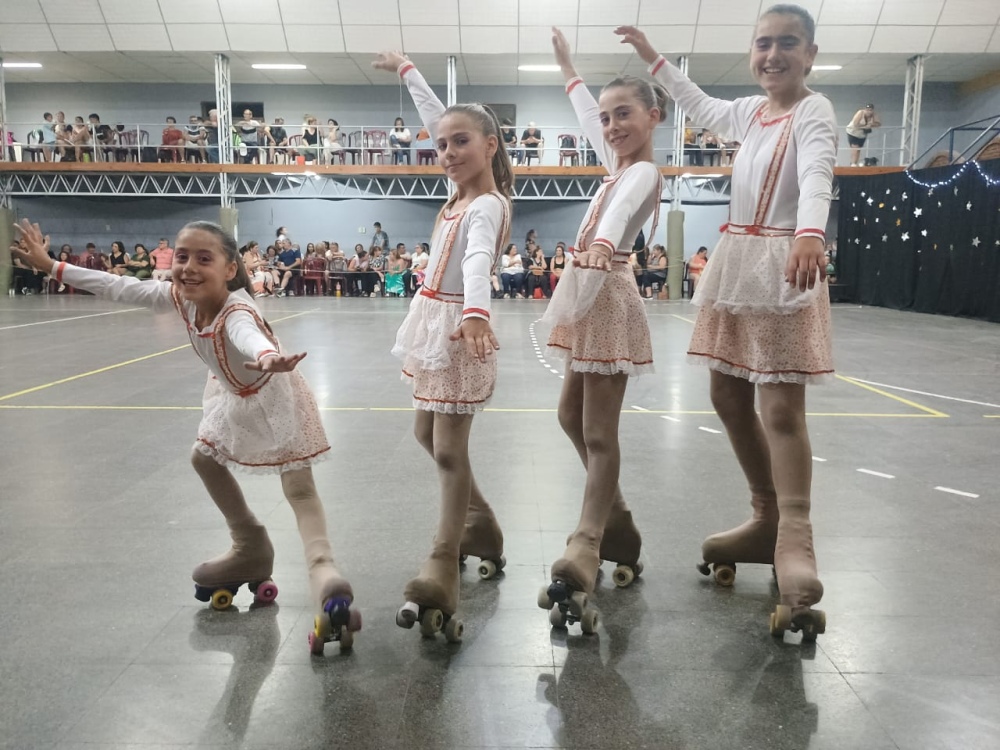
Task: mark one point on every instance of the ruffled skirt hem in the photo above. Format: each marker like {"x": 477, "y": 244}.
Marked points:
{"x": 292, "y": 464}
{"x": 754, "y": 376}
{"x": 601, "y": 367}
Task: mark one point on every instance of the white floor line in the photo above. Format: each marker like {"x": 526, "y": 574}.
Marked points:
{"x": 639, "y": 408}
{"x": 669, "y": 419}
{"x": 927, "y": 393}
{"x": 957, "y": 492}
{"x": 709, "y": 429}
{"x": 65, "y": 320}
{"x": 821, "y": 460}
{"x": 877, "y": 474}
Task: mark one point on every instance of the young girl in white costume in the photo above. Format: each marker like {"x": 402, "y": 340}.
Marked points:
{"x": 447, "y": 345}
{"x": 764, "y": 317}
{"x": 600, "y": 328}
{"x": 259, "y": 415}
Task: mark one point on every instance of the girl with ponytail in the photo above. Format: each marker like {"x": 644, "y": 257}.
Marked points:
{"x": 600, "y": 328}
{"x": 447, "y": 346}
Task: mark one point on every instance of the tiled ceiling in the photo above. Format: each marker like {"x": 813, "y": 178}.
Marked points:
{"x": 174, "y": 40}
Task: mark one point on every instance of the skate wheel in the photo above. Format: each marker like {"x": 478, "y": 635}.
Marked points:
{"x": 431, "y": 623}
{"x": 578, "y": 604}
{"x": 623, "y": 576}
{"x": 502, "y": 564}
{"x": 462, "y": 559}
{"x": 703, "y": 568}
{"x": 316, "y": 645}
{"x": 813, "y": 624}
{"x": 202, "y": 594}
{"x": 406, "y": 616}
{"x": 638, "y": 568}
{"x": 557, "y": 618}
{"x": 781, "y": 620}
{"x": 222, "y": 599}
{"x": 543, "y": 598}
{"x": 725, "y": 574}
{"x": 321, "y": 627}
{"x": 589, "y": 622}
{"x": 487, "y": 569}
{"x": 453, "y": 630}
{"x": 354, "y": 620}
{"x": 346, "y": 639}
{"x": 266, "y": 592}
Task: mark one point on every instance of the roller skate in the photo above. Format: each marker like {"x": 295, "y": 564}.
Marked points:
{"x": 483, "y": 538}
{"x": 751, "y": 542}
{"x": 621, "y": 544}
{"x": 800, "y": 588}
{"x": 573, "y": 577}
{"x": 250, "y": 561}
{"x": 336, "y": 620}
{"x": 432, "y": 599}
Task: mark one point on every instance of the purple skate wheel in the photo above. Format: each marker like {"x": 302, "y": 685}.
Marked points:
{"x": 354, "y": 620}
{"x": 266, "y": 592}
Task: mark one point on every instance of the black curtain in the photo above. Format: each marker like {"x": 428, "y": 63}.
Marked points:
{"x": 932, "y": 247}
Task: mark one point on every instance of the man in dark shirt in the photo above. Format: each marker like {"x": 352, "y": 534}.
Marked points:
{"x": 530, "y": 139}
{"x": 103, "y": 134}
{"x": 211, "y": 128}
{"x": 510, "y": 141}
{"x": 277, "y": 139}
{"x": 289, "y": 261}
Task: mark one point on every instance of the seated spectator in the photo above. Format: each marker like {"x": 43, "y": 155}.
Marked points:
{"x": 163, "y": 258}
{"x": 696, "y": 265}
{"x": 331, "y": 141}
{"x": 376, "y": 265}
{"x": 310, "y": 148}
{"x": 512, "y": 273}
{"x": 194, "y": 137}
{"x": 63, "y": 133}
{"x": 418, "y": 266}
{"x": 831, "y": 269}
{"x": 48, "y": 137}
{"x": 260, "y": 278}
{"x": 92, "y": 259}
{"x": 400, "y": 141}
{"x": 692, "y": 144}
{"x": 656, "y": 272}
{"x": 104, "y": 135}
{"x": 362, "y": 279}
{"x": 531, "y": 141}
{"x": 336, "y": 268}
{"x": 557, "y": 264}
{"x": 65, "y": 256}
{"x": 510, "y": 141}
{"x": 711, "y": 148}
{"x": 425, "y": 147}
{"x": 140, "y": 265}
{"x": 276, "y": 140}
{"x": 538, "y": 273}
{"x": 81, "y": 140}
{"x": 117, "y": 262}
{"x": 289, "y": 265}
{"x": 249, "y": 132}
{"x": 271, "y": 264}
{"x": 394, "y": 274}
{"x": 172, "y": 141}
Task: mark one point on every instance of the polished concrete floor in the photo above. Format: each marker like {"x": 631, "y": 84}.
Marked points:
{"x": 102, "y": 644}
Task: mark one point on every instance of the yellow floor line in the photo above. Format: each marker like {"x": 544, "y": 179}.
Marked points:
{"x": 928, "y": 410}
{"x": 681, "y": 317}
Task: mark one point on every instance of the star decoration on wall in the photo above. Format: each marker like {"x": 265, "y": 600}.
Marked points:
{"x": 906, "y": 236}
{"x": 869, "y": 247}
{"x": 863, "y": 193}
{"x": 870, "y": 201}
{"x": 893, "y": 208}
{"x": 855, "y": 218}
{"x": 899, "y": 222}
{"x": 923, "y": 232}
{"x": 956, "y": 190}
{"x": 904, "y": 196}
{"x": 930, "y": 192}
{"x": 968, "y": 206}
{"x": 888, "y": 191}
{"x": 975, "y": 242}
{"x": 881, "y": 205}
{"x": 917, "y": 212}
{"x": 885, "y": 238}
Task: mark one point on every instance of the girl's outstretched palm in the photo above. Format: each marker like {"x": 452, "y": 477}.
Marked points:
{"x": 389, "y": 61}
{"x": 561, "y": 49}
{"x": 36, "y": 246}
{"x": 276, "y": 363}
{"x": 632, "y": 35}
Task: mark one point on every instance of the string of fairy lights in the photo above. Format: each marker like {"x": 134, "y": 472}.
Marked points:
{"x": 988, "y": 179}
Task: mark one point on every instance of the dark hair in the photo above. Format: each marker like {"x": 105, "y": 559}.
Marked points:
{"x": 47, "y": 114}
{"x": 94, "y": 115}
{"x": 377, "y": 224}
{"x": 788, "y": 9}
{"x": 64, "y": 250}
{"x": 702, "y": 249}
{"x": 230, "y": 250}
{"x": 278, "y": 233}
{"x": 91, "y": 245}
{"x": 425, "y": 246}
{"x": 120, "y": 245}
{"x": 172, "y": 119}
{"x": 138, "y": 245}
{"x": 650, "y": 94}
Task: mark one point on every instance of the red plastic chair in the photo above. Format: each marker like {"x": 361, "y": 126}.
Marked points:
{"x": 314, "y": 273}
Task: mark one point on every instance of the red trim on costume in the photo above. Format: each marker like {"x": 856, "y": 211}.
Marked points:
{"x": 573, "y": 83}
{"x": 773, "y": 171}
{"x": 266, "y": 353}
{"x": 760, "y": 372}
{"x": 759, "y": 116}
{"x": 435, "y": 295}
{"x": 603, "y": 361}
{"x": 406, "y": 68}
{"x": 476, "y": 310}
{"x": 811, "y": 230}
{"x": 659, "y": 64}
{"x": 446, "y": 401}
{"x": 59, "y": 271}
{"x": 225, "y": 455}
{"x": 756, "y": 230}
{"x": 239, "y": 387}
{"x": 607, "y": 243}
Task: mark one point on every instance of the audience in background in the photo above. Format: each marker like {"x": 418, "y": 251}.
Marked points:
{"x": 163, "y": 257}
{"x": 139, "y": 266}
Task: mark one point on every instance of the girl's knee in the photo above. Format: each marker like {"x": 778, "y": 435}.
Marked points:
{"x": 571, "y": 420}
{"x": 201, "y": 462}
{"x": 731, "y": 401}
{"x": 424, "y": 433}
{"x": 783, "y": 415}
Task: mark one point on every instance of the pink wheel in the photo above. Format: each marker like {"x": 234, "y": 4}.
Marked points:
{"x": 315, "y": 644}
{"x": 354, "y": 620}
{"x": 266, "y": 592}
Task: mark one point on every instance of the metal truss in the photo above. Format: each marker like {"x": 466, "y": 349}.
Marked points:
{"x": 299, "y": 185}
{"x": 912, "y": 100}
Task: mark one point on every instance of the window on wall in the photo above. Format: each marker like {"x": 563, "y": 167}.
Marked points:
{"x": 505, "y": 112}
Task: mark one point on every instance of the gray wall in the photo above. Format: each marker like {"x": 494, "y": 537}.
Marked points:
{"x": 379, "y": 105}
{"x": 82, "y": 220}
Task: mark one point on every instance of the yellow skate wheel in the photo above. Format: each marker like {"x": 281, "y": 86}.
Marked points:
{"x": 813, "y": 624}
{"x": 453, "y": 630}
{"x": 543, "y": 598}
{"x": 725, "y": 574}
{"x": 487, "y": 569}
{"x": 346, "y": 639}
{"x": 557, "y": 618}
{"x": 431, "y": 623}
{"x": 321, "y": 627}
{"x": 222, "y": 599}
{"x": 781, "y": 620}
{"x": 589, "y": 622}
{"x": 623, "y": 576}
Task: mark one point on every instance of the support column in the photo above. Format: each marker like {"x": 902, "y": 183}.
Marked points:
{"x": 682, "y": 64}
{"x": 224, "y": 104}
{"x": 6, "y": 238}
{"x": 3, "y": 116}
{"x": 675, "y": 217}
{"x": 229, "y": 219}
{"x": 452, "y": 82}
{"x": 911, "y": 109}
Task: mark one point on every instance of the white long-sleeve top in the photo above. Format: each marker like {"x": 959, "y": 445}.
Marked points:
{"x": 236, "y": 337}
{"x": 466, "y": 246}
{"x": 783, "y": 172}
{"x": 626, "y": 199}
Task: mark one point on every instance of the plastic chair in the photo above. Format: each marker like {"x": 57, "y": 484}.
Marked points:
{"x": 354, "y": 146}
{"x": 567, "y": 151}
{"x": 376, "y": 145}
{"x": 314, "y": 273}
{"x": 533, "y": 153}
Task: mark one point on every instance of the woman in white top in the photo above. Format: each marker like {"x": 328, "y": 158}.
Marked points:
{"x": 332, "y": 141}
{"x": 512, "y": 273}
{"x": 399, "y": 142}
{"x": 447, "y": 344}
{"x": 764, "y": 318}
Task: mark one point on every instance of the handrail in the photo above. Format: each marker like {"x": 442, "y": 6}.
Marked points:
{"x": 953, "y": 158}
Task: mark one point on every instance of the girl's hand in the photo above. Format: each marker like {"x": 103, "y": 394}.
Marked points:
{"x": 806, "y": 261}
{"x": 632, "y": 35}
{"x": 276, "y": 363}
{"x": 479, "y": 338}
{"x": 561, "y": 49}
{"x": 592, "y": 259}
{"x": 36, "y": 247}
{"x": 389, "y": 61}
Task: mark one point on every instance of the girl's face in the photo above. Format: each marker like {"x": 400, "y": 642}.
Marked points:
{"x": 399, "y": 122}
{"x": 63, "y": 255}
{"x": 200, "y": 269}
{"x": 780, "y": 55}
{"x": 116, "y": 248}
{"x": 358, "y": 249}
{"x": 463, "y": 150}
{"x": 628, "y": 125}
{"x": 310, "y": 248}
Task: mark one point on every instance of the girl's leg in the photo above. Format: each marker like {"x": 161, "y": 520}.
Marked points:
{"x": 753, "y": 541}
{"x": 602, "y": 400}
{"x": 437, "y": 583}
{"x": 783, "y": 410}
{"x": 622, "y": 541}
{"x": 325, "y": 581}
{"x": 251, "y": 558}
